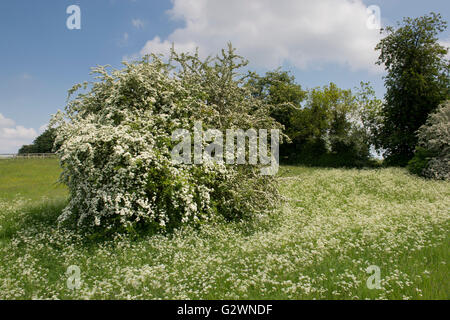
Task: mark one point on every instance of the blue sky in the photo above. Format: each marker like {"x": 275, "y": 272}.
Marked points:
{"x": 41, "y": 58}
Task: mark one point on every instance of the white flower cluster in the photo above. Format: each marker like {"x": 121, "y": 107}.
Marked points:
{"x": 114, "y": 143}
{"x": 435, "y": 137}
{"x": 318, "y": 246}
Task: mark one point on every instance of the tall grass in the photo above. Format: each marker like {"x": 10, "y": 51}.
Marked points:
{"x": 333, "y": 224}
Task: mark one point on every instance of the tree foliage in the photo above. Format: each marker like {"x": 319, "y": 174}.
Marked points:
{"x": 44, "y": 143}
{"x": 284, "y": 96}
{"x": 417, "y": 82}
{"x": 326, "y": 126}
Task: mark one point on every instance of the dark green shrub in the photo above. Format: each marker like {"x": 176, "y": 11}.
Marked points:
{"x": 420, "y": 161}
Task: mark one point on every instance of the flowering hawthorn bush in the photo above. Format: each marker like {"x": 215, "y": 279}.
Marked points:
{"x": 434, "y": 137}
{"x": 114, "y": 143}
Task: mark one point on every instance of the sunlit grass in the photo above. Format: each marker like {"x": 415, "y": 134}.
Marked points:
{"x": 333, "y": 224}
{"x": 30, "y": 179}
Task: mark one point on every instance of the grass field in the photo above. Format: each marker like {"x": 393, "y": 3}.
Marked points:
{"x": 30, "y": 179}
{"x": 333, "y": 224}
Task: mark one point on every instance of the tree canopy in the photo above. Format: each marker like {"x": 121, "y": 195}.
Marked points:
{"x": 417, "y": 81}
{"x": 325, "y": 126}
{"x": 42, "y": 144}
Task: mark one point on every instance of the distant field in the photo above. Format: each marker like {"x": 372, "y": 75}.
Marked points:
{"x": 333, "y": 224}
{"x": 30, "y": 178}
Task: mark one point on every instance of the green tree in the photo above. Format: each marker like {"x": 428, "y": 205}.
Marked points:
{"x": 42, "y": 144}
{"x": 417, "y": 82}
{"x": 368, "y": 111}
{"x": 27, "y": 148}
{"x": 335, "y": 122}
{"x": 284, "y": 96}
{"x": 321, "y": 121}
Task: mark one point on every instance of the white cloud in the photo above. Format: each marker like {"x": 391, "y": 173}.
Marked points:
{"x": 5, "y": 122}
{"x": 306, "y": 34}
{"x": 12, "y": 136}
{"x": 137, "y": 23}
{"x": 303, "y": 33}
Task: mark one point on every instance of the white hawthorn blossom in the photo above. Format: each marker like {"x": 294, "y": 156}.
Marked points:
{"x": 114, "y": 142}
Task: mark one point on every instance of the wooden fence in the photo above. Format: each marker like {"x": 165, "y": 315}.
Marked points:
{"x": 26, "y": 155}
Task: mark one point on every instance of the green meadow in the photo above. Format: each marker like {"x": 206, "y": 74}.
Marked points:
{"x": 31, "y": 179}
{"x": 333, "y": 225}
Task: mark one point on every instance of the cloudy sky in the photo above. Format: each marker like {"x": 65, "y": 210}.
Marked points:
{"x": 319, "y": 41}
